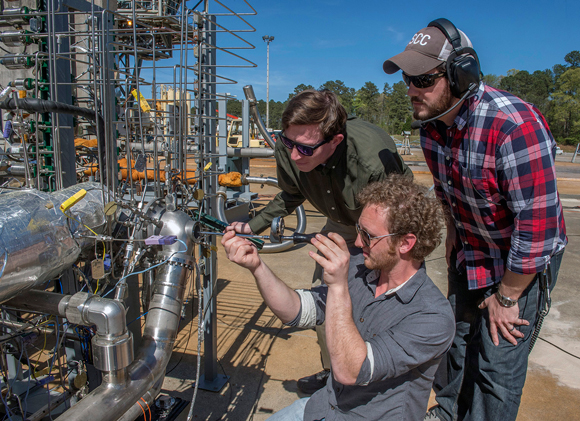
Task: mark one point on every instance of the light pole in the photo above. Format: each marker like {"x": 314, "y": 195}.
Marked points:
{"x": 268, "y": 40}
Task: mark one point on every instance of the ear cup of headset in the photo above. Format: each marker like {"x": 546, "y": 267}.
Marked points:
{"x": 462, "y": 72}
{"x": 463, "y": 68}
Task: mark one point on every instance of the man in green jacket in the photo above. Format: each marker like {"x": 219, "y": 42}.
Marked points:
{"x": 326, "y": 158}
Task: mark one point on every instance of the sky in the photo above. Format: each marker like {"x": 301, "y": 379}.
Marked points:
{"x": 320, "y": 40}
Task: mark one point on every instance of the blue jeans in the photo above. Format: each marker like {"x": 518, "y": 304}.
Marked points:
{"x": 294, "y": 412}
{"x": 484, "y": 381}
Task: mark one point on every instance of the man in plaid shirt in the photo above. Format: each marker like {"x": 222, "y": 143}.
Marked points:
{"x": 492, "y": 159}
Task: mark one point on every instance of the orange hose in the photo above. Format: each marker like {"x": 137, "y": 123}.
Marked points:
{"x": 142, "y": 409}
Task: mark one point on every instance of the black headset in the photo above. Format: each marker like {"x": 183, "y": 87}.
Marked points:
{"x": 463, "y": 71}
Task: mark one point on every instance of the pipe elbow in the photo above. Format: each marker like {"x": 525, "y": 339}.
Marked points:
{"x": 85, "y": 309}
{"x": 113, "y": 344}
{"x": 107, "y": 315}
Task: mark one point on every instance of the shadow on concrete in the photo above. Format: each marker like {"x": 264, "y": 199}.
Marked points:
{"x": 246, "y": 333}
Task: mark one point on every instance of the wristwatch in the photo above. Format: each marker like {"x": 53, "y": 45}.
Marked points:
{"x": 505, "y": 301}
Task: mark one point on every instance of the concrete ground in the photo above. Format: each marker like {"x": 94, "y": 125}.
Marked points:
{"x": 263, "y": 360}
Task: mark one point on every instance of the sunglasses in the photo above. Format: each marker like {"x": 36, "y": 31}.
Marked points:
{"x": 422, "y": 81}
{"x": 366, "y": 237}
{"x": 303, "y": 149}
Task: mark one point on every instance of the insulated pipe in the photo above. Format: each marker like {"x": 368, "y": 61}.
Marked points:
{"x": 270, "y": 181}
{"x": 46, "y": 106}
{"x": 251, "y": 97}
{"x": 119, "y": 394}
{"x": 37, "y": 241}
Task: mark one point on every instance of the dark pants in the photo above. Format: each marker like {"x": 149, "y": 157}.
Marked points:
{"x": 484, "y": 381}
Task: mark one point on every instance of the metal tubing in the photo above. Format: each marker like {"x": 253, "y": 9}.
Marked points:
{"x": 37, "y": 301}
{"x": 249, "y": 92}
{"x": 118, "y": 393}
{"x": 270, "y": 181}
{"x": 145, "y": 375}
{"x": 112, "y": 345}
{"x": 251, "y": 152}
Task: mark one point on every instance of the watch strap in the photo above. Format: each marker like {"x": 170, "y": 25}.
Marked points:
{"x": 505, "y": 301}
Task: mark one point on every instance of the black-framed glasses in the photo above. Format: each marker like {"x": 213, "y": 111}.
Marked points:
{"x": 422, "y": 81}
{"x": 303, "y": 149}
{"x": 366, "y": 237}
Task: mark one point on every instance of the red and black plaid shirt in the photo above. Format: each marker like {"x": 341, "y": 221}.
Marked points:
{"x": 495, "y": 170}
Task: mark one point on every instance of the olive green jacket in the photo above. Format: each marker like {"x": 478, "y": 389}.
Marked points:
{"x": 367, "y": 154}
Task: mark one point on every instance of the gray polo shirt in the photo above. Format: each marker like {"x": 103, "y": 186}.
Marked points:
{"x": 406, "y": 333}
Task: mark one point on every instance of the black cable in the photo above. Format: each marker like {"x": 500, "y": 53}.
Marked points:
{"x": 557, "y": 347}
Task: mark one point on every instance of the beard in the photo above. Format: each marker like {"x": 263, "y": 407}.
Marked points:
{"x": 384, "y": 262}
{"x": 432, "y": 110}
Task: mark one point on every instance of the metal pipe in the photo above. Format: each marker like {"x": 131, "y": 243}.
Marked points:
{"x": 251, "y": 152}
{"x": 270, "y": 181}
{"x": 112, "y": 344}
{"x": 16, "y": 170}
{"x": 37, "y": 301}
{"x": 121, "y": 393}
{"x": 150, "y": 147}
{"x": 21, "y": 328}
{"x": 250, "y": 96}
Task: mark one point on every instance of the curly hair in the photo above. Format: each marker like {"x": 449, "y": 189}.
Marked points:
{"x": 316, "y": 107}
{"x": 409, "y": 210}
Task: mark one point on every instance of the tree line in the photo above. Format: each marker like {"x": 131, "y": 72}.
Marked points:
{"x": 555, "y": 92}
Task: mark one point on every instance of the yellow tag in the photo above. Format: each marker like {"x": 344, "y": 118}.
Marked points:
{"x": 72, "y": 200}
{"x": 207, "y": 167}
{"x": 139, "y": 97}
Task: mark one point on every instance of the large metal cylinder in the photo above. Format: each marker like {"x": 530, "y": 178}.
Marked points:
{"x": 36, "y": 238}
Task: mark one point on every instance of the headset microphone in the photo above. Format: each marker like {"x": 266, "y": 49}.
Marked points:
{"x": 419, "y": 123}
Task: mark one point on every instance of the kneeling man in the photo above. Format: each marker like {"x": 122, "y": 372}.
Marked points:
{"x": 387, "y": 324}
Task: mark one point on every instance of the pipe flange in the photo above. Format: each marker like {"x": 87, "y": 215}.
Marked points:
{"x": 73, "y": 308}
{"x": 181, "y": 260}
{"x": 182, "y": 263}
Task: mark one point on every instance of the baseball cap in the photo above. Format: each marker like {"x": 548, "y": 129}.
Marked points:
{"x": 427, "y": 49}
